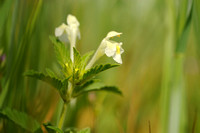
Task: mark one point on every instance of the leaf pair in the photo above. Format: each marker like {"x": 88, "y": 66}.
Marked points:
{"x": 87, "y": 83}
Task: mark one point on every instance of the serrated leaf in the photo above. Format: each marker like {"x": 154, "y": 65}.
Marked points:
{"x": 105, "y": 88}
{"x": 77, "y": 65}
{"x": 77, "y": 58}
{"x": 23, "y": 120}
{"x": 85, "y": 130}
{"x": 61, "y": 51}
{"x": 50, "y": 72}
{"x": 52, "y": 129}
{"x": 60, "y": 85}
{"x": 68, "y": 68}
{"x": 78, "y": 88}
{"x": 94, "y": 71}
{"x": 70, "y": 130}
{"x": 80, "y": 62}
{"x": 46, "y": 78}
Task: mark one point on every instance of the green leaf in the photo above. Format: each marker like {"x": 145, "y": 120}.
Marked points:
{"x": 77, "y": 58}
{"x": 21, "y": 119}
{"x": 94, "y": 71}
{"x": 112, "y": 89}
{"x": 4, "y": 13}
{"x": 3, "y": 94}
{"x": 77, "y": 65}
{"x": 196, "y": 24}
{"x": 50, "y": 72}
{"x": 70, "y": 130}
{"x": 46, "y": 78}
{"x": 80, "y": 62}
{"x": 85, "y": 130}
{"x": 182, "y": 40}
{"x": 60, "y": 85}
{"x": 52, "y": 129}
{"x": 78, "y": 88}
{"x": 68, "y": 68}
{"x": 61, "y": 51}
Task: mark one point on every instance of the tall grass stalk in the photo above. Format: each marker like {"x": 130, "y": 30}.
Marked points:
{"x": 167, "y": 65}
{"x": 174, "y": 120}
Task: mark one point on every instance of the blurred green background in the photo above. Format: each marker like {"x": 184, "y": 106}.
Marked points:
{"x": 159, "y": 76}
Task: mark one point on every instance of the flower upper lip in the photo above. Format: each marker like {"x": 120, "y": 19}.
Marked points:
{"x": 113, "y": 48}
{"x": 110, "y": 48}
{"x": 113, "y": 34}
{"x": 72, "y": 21}
{"x": 68, "y": 32}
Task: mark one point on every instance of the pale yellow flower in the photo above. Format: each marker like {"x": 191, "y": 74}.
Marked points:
{"x": 108, "y": 47}
{"x": 69, "y": 33}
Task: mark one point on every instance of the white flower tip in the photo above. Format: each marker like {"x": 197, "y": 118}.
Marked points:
{"x": 71, "y": 20}
{"x": 59, "y": 30}
{"x": 118, "y": 58}
{"x": 113, "y": 34}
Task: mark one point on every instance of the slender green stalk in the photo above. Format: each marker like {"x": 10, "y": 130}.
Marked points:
{"x": 177, "y": 98}
{"x": 64, "y": 108}
{"x": 62, "y": 116}
{"x": 167, "y": 66}
{"x": 173, "y": 93}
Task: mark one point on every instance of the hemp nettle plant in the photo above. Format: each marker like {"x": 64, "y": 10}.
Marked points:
{"x": 78, "y": 72}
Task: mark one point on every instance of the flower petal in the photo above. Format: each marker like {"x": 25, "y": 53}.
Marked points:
{"x": 109, "y": 52}
{"x": 112, "y": 34}
{"x": 72, "y": 21}
{"x": 121, "y": 50}
{"x": 62, "y": 32}
{"x": 59, "y": 30}
{"x": 110, "y": 48}
{"x": 117, "y": 58}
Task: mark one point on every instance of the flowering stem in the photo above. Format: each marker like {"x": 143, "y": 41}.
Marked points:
{"x": 64, "y": 109}
{"x": 62, "y": 116}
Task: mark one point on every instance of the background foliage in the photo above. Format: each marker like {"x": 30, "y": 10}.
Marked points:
{"x": 161, "y": 60}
